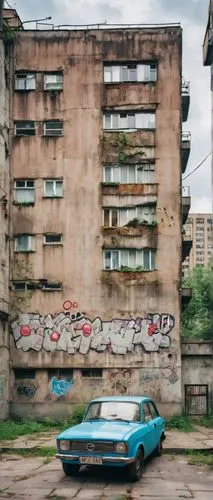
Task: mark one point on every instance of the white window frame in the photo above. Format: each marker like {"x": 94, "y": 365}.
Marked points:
{"x": 129, "y": 215}
{"x": 27, "y": 286}
{"x": 30, "y": 243}
{"x": 54, "y": 181}
{"x": 53, "y": 86}
{"x": 139, "y": 258}
{"x": 119, "y": 117}
{"x": 47, "y": 286}
{"x": 50, "y": 132}
{"x": 32, "y": 127}
{"x": 110, "y": 216}
{"x": 25, "y": 187}
{"x": 26, "y": 77}
{"x": 45, "y": 242}
{"x": 145, "y": 72}
{"x": 149, "y": 167}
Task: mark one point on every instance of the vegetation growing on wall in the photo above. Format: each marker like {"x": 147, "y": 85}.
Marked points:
{"x": 19, "y": 302}
{"x": 197, "y": 318}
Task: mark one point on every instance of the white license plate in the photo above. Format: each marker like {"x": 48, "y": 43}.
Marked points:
{"x": 91, "y": 460}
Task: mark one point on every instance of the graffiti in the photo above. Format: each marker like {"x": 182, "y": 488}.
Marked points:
{"x": 73, "y": 332}
{"x": 2, "y": 385}
{"x": 170, "y": 374}
{"x": 121, "y": 380}
{"x": 60, "y": 387}
{"x": 26, "y": 391}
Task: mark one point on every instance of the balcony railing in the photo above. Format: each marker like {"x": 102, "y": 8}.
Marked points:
{"x": 185, "y": 100}
{"x": 186, "y": 146}
{"x": 186, "y": 203}
{"x": 186, "y": 191}
{"x": 208, "y": 47}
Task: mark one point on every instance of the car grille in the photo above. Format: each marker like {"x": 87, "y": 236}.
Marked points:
{"x": 99, "y": 446}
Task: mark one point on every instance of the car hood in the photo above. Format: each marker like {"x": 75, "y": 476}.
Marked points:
{"x": 99, "y": 430}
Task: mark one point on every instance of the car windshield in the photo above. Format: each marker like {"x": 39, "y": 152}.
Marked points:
{"x": 113, "y": 410}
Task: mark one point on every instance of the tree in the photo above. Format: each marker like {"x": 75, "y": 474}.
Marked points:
{"x": 197, "y": 318}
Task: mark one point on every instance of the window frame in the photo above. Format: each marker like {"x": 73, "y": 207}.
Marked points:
{"x": 27, "y": 285}
{"x": 54, "y": 181}
{"x": 52, "y": 286}
{"x": 30, "y": 246}
{"x": 52, "y": 73}
{"x": 138, "y": 167}
{"x": 146, "y": 418}
{"x": 25, "y": 187}
{"x": 47, "y": 133}
{"x": 92, "y": 373}
{"x": 149, "y": 68}
{"x": 25, "y": 76}
{"x": 17, "y": 122}
{"x": 54, "y": 243}
{"x": 116, "y": 116}
{"x": 117, "y": 252}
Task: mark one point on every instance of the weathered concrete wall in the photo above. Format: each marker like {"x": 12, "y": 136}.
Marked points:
{"x": 132, "y": 319}
{"x": 4, "y": 233}
{"x": 197, "y": 366}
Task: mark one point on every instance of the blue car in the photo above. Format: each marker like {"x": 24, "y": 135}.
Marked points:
{"x": 118, "y": 431}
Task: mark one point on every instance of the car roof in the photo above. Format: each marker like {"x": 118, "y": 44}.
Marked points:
{"x": 129, "y": 399}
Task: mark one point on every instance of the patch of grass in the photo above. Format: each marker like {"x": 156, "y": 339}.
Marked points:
{"x": 11, "y": 429}
{"x": 181, "y": 423}
{"x": 47, "y": 452}
{"x": 206, "y": 422}
{"x": 199, "y": 458}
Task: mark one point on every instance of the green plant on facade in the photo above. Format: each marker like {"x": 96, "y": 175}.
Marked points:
{"x": 123, "y": 141}
{"x": 140, "y": 222}
{"x": 19, "y": 302}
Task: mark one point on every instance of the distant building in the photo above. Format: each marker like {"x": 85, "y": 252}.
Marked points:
{"x": 198, "y": 230}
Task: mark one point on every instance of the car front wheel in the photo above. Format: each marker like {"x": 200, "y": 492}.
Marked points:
{"x": 136, "y": 468}
{"x": 70, "y": 469}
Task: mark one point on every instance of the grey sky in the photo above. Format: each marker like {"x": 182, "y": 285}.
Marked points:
{"x": 193, "y": 16}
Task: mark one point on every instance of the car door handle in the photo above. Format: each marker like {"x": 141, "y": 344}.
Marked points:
{"x": 155, "y": 425}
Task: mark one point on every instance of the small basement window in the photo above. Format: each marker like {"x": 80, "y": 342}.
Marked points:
{"x": 53, "y": 81}
{"x": 52, "y": 287}
{"x": 25, "y": 128}
{"x": 52, "y": 239}
{"x": 25, "y": 81}
{"x": 22, "y": 373}
{"x": 53, "y": 128}
{"x": 91, "y": 372}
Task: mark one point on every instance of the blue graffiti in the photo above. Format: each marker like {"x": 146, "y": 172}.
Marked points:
{"x": 60, "y": 387}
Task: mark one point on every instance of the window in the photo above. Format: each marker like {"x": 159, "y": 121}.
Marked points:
{"x": 91, "y": 372}
{"x": 140, "y": 260}
{"x": 51, "y": 287}
{"x": 53, "y": 128}
{"x": 153, "y": 410}
{"x": 25, "y": 128}
{"x": 128, "y": 120}
{"x": 23, "y": 374}
{"x": 131, "y": 72}
{"x": 53, "y": 81}
{"x": 60, "y": 373}
{"x": 24, "y": 243}
{"x": 24, "y": 191}
{"x": 146, "y": 412}
{"x": 53, "y": 188}
{"x": 114, "y": 217}
{"x": 25, "y": 81}
{"x": 129, "y": 174}
{"x": 199, "y": 220}
{"x": 22, "y": 286}
{"x": 52, "y": 239}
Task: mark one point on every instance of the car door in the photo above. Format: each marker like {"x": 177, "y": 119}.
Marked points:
{"x": 157, "y": 422}
{"x": 150, "y": 430}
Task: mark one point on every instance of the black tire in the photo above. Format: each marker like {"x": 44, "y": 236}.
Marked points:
{"x": 135, "y": 469}
{"x": 159, "y": 448}
{"x": 70, "y": 469}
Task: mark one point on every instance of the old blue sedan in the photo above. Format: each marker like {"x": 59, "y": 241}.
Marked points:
{"x": 120, "y": 431}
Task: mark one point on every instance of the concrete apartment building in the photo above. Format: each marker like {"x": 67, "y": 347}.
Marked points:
{"x": 96, "y": 216}
{"x": 198, "y": 229}
{"x": 208, "y": 61}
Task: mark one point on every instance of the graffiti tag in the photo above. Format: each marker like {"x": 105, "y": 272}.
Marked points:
{"x": 26, "y": 391}
{"x": 60, "y": 387}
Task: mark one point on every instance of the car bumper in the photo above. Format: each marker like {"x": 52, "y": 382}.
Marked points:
{"x": 115, "y": 460}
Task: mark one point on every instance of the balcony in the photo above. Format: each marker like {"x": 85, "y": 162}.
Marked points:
{"x": 185, "y": 100}
{"x": 208, "y": 47}
{"x": 186, "y": 294}
{"x": 186, "y": 203}
{"x": 186, "y": 247}
{"x": 185, "y": 147}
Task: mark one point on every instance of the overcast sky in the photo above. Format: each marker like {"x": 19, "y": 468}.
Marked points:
{"x": 193, "y": 17}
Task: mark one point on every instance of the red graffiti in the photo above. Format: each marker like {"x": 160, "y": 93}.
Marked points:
{"x": 55, "y": 336}
{"x": 25, "y": 331}
{"x": 67, "y": 305}
{"x": 75, "y": 305}
{"x": 152, "y": 329}
{"x": 86, "y": 329}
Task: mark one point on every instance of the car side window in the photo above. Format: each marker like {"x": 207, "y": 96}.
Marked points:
{"x": 153, "y": 410}
{"x": 146, "y": 412}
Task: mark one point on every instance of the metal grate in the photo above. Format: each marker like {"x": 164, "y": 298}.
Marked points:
{"x": 196, "y": 399}
{"x": 99, "y": 446}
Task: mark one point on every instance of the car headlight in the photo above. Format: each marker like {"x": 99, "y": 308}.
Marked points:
{"x": 121, "y": 448}
{"x": 64, "y": 445}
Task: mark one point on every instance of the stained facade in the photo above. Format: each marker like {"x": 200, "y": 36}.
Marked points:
{"x": 96, "y": 217}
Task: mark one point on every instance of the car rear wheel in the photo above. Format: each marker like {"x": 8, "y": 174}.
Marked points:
{"x": 136, "y": 468}
{"x": 159, "y": 448}
{"x": 70, "y": 469}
